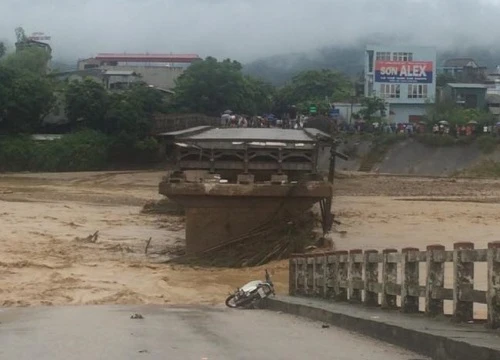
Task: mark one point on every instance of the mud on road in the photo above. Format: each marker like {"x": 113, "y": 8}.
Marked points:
{"x": 46, "y": 257}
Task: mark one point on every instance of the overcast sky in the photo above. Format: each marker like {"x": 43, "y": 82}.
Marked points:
{"x": 244, "y": 29}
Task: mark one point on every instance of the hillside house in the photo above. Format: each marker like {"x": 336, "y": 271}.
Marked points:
{"x": 465, "y": 69}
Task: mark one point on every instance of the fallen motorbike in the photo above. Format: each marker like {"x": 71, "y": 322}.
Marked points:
{"x": 251, "y": 294}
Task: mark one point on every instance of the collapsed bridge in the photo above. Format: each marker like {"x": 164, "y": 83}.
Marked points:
{"x": 234, "y": 181}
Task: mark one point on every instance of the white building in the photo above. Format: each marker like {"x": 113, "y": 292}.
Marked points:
{"x": 405, "y": 77}
{"x": 159, "y": 70}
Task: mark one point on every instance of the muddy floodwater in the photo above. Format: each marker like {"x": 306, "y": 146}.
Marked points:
{"x": 48, "y": 255}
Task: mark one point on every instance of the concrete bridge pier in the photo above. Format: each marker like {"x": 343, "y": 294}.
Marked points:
{"x": 218, "y": 213}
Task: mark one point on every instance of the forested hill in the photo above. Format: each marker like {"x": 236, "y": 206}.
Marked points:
{"x": 278, "y": 69}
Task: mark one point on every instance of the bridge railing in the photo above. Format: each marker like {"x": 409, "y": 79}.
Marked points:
{"x": 173, "y": 122}
{"x": 378, "y": 279}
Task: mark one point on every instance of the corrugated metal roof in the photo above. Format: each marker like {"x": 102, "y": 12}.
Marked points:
{"x": 467, "y": 86}
{"x": 119, "y": 73}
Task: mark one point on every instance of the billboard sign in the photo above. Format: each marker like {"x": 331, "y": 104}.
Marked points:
{"x": 404, "y": 72}
{"x": 39, "y": 36}
{"x": 335, "y": 113}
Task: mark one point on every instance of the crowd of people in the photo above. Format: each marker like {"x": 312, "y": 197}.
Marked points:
{"x": 228, "y": 119}
{"x": 266, "y": 121}
{"x": 439, "y": 128}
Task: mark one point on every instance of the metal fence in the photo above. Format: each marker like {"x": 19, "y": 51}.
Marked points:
{"x": 354, "y": 276}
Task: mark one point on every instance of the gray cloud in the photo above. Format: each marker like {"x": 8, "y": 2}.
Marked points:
{"x": 246, "y": 29}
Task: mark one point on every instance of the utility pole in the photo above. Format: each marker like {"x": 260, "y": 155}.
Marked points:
{"x": 328, "y": 217}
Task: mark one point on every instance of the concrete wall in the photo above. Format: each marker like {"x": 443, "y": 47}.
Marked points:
{"x": 411, "y": 157}
{"x": 402, "y": 112}
{"x": 347, "y": 109}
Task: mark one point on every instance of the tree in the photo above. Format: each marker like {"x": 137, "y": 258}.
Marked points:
{"x": 316, "y": 84}
{"x": 443, "y": 79}
{"x": 259, "y": 96}
{"x": 3, "y": 49}
{"x": 25, "y": 99}
{"x": 370, "y": 106}
{"x": 210, "y": 86}
{"x": 26, "y": 93}
{"x": 32, "y": 59}
{"x": 148, "y": 99}
{"x": 87, "y": 103}
{"x": 447, "y": 110}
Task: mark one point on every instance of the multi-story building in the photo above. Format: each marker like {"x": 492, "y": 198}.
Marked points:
{"x": 159, "y": 70}
{"x": 404, "y": 77}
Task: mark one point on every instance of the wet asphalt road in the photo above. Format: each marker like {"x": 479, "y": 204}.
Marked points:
{"x": 108, "y": 333}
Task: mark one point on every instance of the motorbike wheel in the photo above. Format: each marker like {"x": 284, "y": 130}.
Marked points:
{"x": 230, "y": 302}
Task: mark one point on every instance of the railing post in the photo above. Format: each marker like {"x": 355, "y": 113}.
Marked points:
{"x": 301, "y": 275}
{"x": 409, "y": 282}
{"x": 319, "y": 273}
{"x": 342, "y": 275}
{"x": 371, "y": 278}
{"x": 292, "y": 275}
{"x": 463, "y": 281}
{"x": 331, "y": 275}
{"x": 355, "y": 276}
{"x": 310, "y": 274}
{"x": 389, "y": 276}
{"x": 435, "y": 282}
{"x": 311, "y": 266}
{"x": 493, "y": 292}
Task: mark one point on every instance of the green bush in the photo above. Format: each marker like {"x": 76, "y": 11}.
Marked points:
{"x": 436, "y": 140}
{"x": 486, "y": 169}
{"x": 127, "y": 148}
{"x": 86, "y": 150}
{"x": 147, "y": 150}
{"x": 487, "y": 143}
{"x": 16, "y": 154}
{"x": 388, "y": 139}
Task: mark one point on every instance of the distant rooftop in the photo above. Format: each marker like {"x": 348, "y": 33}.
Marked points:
{"x": 86, "y": 72}
{"x": 119, "y": 73}
{"x": 460, "y": 62}
{"x": 467, "y": 86}
{"x": 167, "y": 58}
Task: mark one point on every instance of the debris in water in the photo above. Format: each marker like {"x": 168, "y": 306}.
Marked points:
{"x": 89, "y": 239}
{"x": 148, "y": 242}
